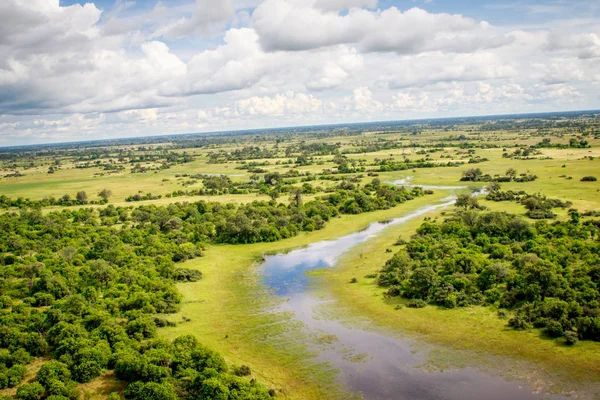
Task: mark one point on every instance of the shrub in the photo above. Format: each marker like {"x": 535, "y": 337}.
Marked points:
{"x": 571, "y": 338}
{"x": 86, "y": 371}
{"x": 30, "y": 391}
{"x": 353, "y": 280}
{"x": 215, "y": 389}
{"x": 502, "y": 314}
{"x": 554, "y": 329}
{"x": 187, "y": 275}
{"x": 242, "y": 370}
{"x": 15, "y": 375}
{"x": 518, "y": 322}
{"x": 416, "y": 303}
{"x": 150, "y": 391}
{"x": 589, "y": 179}
{"x": 53, "y": 371}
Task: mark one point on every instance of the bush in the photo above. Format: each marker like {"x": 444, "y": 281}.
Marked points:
{"x": 416, "y": 303}
{"x": 554, "y": 329}
{"x": 571, "y": 338}
{"x": 150, "y": 391}
{"x": 187, "y": 275}
{"x": 30, "y": 391}
{"x": 53, "y": 371}
{"x": 518, "y": 322}
{"x": 502, "y": 314}
{"x": 15, "y": 375}
{"x": 589, "y": 179}
{"x": 86, "y": 371}
{"x": 215, "y": 389}
{"x": 242, "y": 370}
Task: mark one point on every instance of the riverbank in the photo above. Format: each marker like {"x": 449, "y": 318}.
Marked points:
{"x": 478, "y": 335}
{"x": 226, "y": 310}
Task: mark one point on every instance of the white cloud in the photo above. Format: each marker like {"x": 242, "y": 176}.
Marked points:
{"x": 294, "y": 26}
{"x": 208, "y": 17}
{"x": 585, "y": 45}
{"x": 279, "y": 105}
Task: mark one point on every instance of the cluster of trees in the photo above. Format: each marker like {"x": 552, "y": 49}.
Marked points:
{"x": 538, "y": 206}
{"x": 477, "y": 175}
{"x": 262, "y": 221}
{"x": 574, "y": 143}
{"x": 391, "y": 165}
{"x": 245, "y": 153}
{"x": 142, "y": 197}
{"x": 77, "y": 288}
{"x": 523, "y": 153}
{"x": 547, "y": 275}
{"x": 81, "y": 198}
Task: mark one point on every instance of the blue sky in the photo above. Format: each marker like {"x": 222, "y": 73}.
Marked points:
{"x": 72, "y": 70}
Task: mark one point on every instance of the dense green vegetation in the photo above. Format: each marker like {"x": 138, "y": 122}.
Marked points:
{"x": 90, "y": 294}
{"x": 83, "y": 285}
{"x": 547, "y": 275}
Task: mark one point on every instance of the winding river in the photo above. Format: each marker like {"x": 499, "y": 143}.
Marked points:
{"x": 373, "y": 364}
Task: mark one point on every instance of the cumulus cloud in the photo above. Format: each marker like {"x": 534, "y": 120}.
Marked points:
{"x": 279, "y": 105}
{"x": 585, "y": 46}
{"x": 439, "y": 67}
{"x": 208, "y": 17}
{"x": 294, "y": 26}
{"x": 58, "y": 60}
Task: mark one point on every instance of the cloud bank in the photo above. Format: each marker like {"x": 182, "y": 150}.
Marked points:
{"x": 71, "y": 72}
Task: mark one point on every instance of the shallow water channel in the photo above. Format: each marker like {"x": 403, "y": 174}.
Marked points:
{"x": 371, "y": 363}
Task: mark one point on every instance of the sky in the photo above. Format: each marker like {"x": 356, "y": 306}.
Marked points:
{"x": 73, "y": 70}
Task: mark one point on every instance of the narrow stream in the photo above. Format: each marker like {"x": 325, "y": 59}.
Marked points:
{"x": 370, "y": 363}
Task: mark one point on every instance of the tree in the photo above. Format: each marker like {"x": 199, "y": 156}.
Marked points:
{"x": 30, "y": 391}
{"x": 296, "y": 197}
{"x": 274, "y": 194}
{"x": 81, "y": 196}
{"x": 53, "y": 370}
{"x": 466, "y": 201}
{"x": 511, "y": 173}
{"x": 105, "y": 194}
{"x": 472, "y": 174}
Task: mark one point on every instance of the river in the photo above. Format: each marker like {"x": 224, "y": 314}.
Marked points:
{"x": 371, "y": 363}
